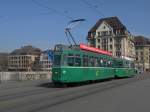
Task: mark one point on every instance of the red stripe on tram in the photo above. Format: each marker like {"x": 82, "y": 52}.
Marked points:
{"x": 93, "y": 49}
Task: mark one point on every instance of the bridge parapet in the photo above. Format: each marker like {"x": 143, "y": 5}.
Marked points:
{"x": 23, "y": 76}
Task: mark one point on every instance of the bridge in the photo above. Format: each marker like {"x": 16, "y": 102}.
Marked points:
{"x": 116, "y": 95}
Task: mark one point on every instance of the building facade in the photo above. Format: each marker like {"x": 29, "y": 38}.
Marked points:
{"x": 111, "y": 35}
{"x": 45, "y": 61}
{"x": 3, "y": 61}
{"x": 142, "y": 50}
{"x": 24, "y": 59}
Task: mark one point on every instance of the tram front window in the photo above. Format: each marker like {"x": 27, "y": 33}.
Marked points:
{"x": 57, "y": 60}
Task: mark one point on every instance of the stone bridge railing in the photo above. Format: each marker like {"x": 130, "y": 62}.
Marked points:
{"x": 22, "y": 76}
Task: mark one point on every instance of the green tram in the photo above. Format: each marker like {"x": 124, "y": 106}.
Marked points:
{"x": 82, "y": 63}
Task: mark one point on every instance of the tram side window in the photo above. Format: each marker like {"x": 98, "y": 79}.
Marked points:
{"x": 127, "y": 64}
{"x": 70, "y": 60}
{"x": 109, "y": 63}
{"x": 119, "y": 64}
{"x": 132, "y": 65}
{"x": 100, "y": 62}
{"x": 96, "y": 61}
{"x": 85, "y": 60}
{"x": 91, "y": 61}
{"x": 105, "y": 62}
{"x": 77, "y": 60}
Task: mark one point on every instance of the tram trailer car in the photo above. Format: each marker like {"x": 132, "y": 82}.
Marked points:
{"x": 76, "y": 64}
{"x": 124, "y": 68}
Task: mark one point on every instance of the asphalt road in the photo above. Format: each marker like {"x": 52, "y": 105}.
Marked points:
{"x": 117, "y": 95}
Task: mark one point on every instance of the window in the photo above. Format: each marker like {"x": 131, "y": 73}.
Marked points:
{"x": 104, "y": 33}
{"x": 93, "y": 34}
{"x": 85, "y": 60}
{"x": 132, "y": 65}
{"x": 110, "y": 32}
{"x": 105, "y": 62}
{"x": 104, "y": 40}
{"x": 109, "y": 64}
{"x": 57, "y": 59}
{"x": 91, "y": 61}
{"x": 96, "y": 62}
{"x": 98, "y": 33}
{"x": 127, "y": 64}
{"x": 115, "y": 32}
{"x": 110, "y": 39}
{"x": 100, "y": 62}
{"x": 118, "y": 48}
{"x": 104, "y": 47}
{"x": 118, "y": 40}
{"x": 142, "y": 59}
{"x": 119, "y": 64}
{"x": 98, "y": 40}
{"x": 98, "y": 46}
{"x": 70, "y": 60}
{"x": 110, "y": 46}
{"x": 146, "y": 58}
{"x": 118, "y": 53}
{"x": 77, "y": 60}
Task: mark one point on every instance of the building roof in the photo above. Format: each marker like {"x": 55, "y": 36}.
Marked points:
{"x": 114, "y": 22}
{"x": 141, "y": 40}
{"x": 26, "y": 50}
{"x": 3, "y": 54}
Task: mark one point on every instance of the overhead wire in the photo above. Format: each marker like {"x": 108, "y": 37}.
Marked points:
{"x": 99, "y": 2}
{"x": 93, "y": 7}
{"x": 53, "y": 10}
{"x": 65, "y": 14}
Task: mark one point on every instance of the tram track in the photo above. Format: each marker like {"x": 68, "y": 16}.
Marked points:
{"x": 52, "y": 98}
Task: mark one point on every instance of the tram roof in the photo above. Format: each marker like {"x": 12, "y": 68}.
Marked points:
{"x": 83, "y": 47}
{"x": 61, "y": 47}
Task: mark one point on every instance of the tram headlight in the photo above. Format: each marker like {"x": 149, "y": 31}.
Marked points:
{"x": 64, "y": 72}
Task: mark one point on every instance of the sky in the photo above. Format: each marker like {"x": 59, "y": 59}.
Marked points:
{"x": 42, "y": 23}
